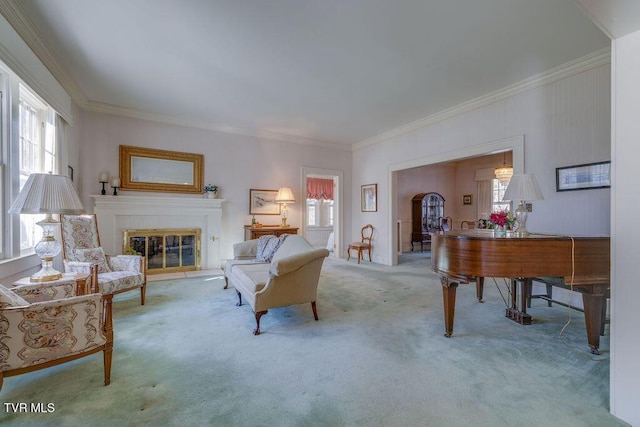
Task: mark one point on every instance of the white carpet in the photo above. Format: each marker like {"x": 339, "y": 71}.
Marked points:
{"x": 376, "y": 357}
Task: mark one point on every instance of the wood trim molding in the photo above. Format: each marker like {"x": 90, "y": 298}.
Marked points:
{"x": 580, "y": 65}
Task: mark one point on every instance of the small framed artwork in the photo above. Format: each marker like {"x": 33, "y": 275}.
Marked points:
{"x": 466, "y": 199}
{"x": 263, "y": 202}
{"x": 584, "y": 177}
{"x": 369, "y": 198}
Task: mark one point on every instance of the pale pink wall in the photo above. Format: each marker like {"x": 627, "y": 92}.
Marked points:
{"x": 452, "y": 180}
{"x": 235, "y": 163}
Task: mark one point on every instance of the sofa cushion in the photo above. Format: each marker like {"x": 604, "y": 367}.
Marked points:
{"x": 9, "y": 298}
{"x": 231, "y": 264}
{"x": 252, "y": 278}
{"x": 116, "y": 281}
{"x": 94, "y": 256}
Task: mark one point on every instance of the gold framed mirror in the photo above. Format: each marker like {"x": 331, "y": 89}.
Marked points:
{"x": 148, "y": 169}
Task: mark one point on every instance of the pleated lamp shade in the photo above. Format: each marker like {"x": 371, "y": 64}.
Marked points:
{"x": 285, "y": 195}
{"x": 523, "y": 187}
{"x": 45, "y": 193}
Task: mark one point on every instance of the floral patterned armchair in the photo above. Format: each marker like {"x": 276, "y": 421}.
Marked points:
{"x": 43, "y": 326}
{"x": 82, "y": 254}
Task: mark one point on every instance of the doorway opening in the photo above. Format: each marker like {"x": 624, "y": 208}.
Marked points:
{"x": 322, "y": 208}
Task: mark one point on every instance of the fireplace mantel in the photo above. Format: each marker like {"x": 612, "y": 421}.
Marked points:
{"x": 117, "y": 213}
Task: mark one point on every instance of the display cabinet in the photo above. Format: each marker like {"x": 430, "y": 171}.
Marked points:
{"x": 426, "y": 211}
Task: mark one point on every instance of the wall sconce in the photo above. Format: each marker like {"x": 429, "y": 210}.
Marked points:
{"x": 284, "y": 196}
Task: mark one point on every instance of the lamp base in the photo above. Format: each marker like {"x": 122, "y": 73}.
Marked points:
{"x": 46, "y": 274}
{"x": 284, "y": 222}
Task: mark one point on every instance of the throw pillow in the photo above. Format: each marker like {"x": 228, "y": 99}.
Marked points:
{"x": 9, "y": 298}
{"x": 94, "y": 256}
{"x": 267, "y": 247}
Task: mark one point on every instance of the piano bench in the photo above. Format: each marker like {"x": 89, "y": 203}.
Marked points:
{"x": 559, "y": 282}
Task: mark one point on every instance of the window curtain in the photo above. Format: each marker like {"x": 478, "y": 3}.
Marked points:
{"x": 485, "y": 198}
{"x": 62, "y": 156}
{"x": 61, "y": 161}
{"x": 485, "y": 190}
{"x": 319, "y": 188}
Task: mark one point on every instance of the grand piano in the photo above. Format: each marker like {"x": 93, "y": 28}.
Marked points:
{"x": 578, "y": 263}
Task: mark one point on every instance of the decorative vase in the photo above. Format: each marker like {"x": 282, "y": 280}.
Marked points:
{"x": 499, "y": 231}
{"x": 211, "y": 194}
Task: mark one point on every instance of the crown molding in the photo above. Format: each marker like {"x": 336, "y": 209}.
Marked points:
{"x": 14, "y": 13}
{"x": 18, "y": 18}
{"x": 585, "y": 63}
{"x": 104, "y": 108}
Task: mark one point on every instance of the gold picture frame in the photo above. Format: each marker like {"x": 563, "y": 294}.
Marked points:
{"x": 148, "y": 169}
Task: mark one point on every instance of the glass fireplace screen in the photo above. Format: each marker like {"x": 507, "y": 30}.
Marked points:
{"x": 166, "y": 250}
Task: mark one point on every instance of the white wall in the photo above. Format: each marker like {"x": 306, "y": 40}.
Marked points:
{"x": 564, "y": 123}
{"x": 625, "y": 292}
{"x": 235, "y": 163}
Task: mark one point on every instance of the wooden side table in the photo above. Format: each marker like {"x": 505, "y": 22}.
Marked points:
{"x": 251, "y": 232}
{"x": 82, "y": 281}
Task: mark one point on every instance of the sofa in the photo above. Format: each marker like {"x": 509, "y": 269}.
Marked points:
{"x": 287, "y": 276}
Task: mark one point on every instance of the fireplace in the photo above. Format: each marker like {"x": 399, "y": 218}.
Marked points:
{"x": 167, "y": 250}
{"x": 117, "y": 214}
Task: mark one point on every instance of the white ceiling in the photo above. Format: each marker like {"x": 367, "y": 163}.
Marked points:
{"x": 331, "y": 71}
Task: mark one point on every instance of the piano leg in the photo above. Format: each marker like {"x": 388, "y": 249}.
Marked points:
{"x": 479, "y": 288}
{"x": 593, "y": 308}
{"x": 449, "y": 303}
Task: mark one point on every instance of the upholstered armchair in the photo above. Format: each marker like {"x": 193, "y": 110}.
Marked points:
{"x": 83, "y": 254}
{"x": 43, "y": 326}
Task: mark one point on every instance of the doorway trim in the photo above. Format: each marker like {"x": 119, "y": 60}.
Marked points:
{"x": 338, "y": 177}
{"x": 514, "y": 143}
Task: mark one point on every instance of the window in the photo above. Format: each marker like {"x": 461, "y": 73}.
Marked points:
{"x": 36, "y": 153}
{"x": 319, "y": 213}
{"x": 498, "y": 190}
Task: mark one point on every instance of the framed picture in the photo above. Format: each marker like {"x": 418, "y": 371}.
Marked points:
{"x": 369, "y": 198}
{"x": 583, "y": 177}
{"x": 466, "y": 199}
{"x": 263, "y": 202}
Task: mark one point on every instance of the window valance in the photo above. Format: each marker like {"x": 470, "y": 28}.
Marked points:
{"x": 319, "y": 188}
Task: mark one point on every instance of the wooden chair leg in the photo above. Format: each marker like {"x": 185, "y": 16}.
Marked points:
{"x": 143, "y": 293}
{"x": 348, "y": 254}
{"x": 359, "y": 255}
{"x": 239, "y": 303}
{"x": 315, "y": 311}
{"x": 258, "y": 316}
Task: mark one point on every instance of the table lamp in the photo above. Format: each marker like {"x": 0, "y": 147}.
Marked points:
{"x": 47, "y": 194}
{"x": 522, "y": 187}
{"x": 284, "y": 196}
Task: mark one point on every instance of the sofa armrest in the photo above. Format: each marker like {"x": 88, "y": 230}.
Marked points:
{"x": 245, "y": 250}
{"x": 291, "y": 263}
